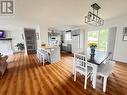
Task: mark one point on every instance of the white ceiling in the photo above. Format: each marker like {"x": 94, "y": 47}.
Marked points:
{"x": 58, "y": 13}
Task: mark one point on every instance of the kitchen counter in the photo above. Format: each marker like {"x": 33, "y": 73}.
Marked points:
{"x": 49, "y": 47}
{"x": 54, "y": 53}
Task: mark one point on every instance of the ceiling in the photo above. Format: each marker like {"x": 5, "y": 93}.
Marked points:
{"x": 66, "y": 13}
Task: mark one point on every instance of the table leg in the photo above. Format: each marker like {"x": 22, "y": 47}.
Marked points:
{"x": 95, "y": 67}
{"x": 73, "y": 66}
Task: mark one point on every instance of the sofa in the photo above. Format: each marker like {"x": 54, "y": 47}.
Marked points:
{"x": 3, "y": 64}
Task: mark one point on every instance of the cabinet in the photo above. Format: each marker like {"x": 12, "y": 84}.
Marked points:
{"x": 69, "y": 48}
{"x": 77, "y": 41}
{"x": 75, "y": 32}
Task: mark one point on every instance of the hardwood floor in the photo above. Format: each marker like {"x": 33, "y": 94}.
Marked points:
{"x": 26, "y": 77}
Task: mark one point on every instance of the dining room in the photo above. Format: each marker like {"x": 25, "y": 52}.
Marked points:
{"x": 94, "y": 68}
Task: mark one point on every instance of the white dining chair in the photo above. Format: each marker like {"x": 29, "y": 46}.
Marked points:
{"x": 41, "y": 56}
{"x": 38, "y": 55}
{"x": 46, "y": 55}
{"x": 104, "y": 70}
{"x": 80, "y": 65}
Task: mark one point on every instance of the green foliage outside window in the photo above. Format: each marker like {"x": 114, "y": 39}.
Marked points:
{"x": 99, "y": 37}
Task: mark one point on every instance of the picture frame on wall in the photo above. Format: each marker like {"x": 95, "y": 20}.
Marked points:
{"x": 125, "y": 31}
{"x": 124, "y": 37}
{"x": 37, "y": 35}
{"x": 124, "y": 34}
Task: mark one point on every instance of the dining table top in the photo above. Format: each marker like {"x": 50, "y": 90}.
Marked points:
{"x": 99, "y": 57}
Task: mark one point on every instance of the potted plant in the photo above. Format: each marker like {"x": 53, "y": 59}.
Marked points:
{"x": 20, "y": 46}
{"x": 92, "y": 46}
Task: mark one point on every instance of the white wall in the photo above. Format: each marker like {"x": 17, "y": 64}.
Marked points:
{"x": 14, "y": 33}
{"x": 82, "y": 39}
{"x": 120, "y": 52}
{"x": 6, "y": 47}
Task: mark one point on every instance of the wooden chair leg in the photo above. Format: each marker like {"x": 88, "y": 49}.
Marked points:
{"x": 43, "y": 61}
{"x": 91, "y": 77}
{"x": 39, "y": 58}
{"x": 104, "y": 84}
{"x": 74, "y": 76}
{"x": 85, "y": 84}
{"x": 73, "y": 66}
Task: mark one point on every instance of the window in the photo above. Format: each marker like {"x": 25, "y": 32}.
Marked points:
{"x": 103, "y": 39}
{"x": 99, "y": 37}
{"x": 68, "y": 36}
{"x": 93, "y": 36}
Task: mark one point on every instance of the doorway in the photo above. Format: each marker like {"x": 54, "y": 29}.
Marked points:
{"x": 30, "y": 38}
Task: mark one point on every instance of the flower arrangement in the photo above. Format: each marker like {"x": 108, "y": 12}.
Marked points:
{"x": 93, "y": 45}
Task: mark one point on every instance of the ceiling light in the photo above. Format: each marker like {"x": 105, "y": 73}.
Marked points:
{"x": 92, "y": 18}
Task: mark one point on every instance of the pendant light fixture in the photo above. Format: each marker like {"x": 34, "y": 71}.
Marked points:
{"x": 92, "y": 18}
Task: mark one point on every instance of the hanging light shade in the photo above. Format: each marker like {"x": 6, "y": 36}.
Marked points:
{"x": 92, "y": 18}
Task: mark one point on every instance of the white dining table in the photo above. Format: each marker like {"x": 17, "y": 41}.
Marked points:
{"x": 99, "y": 58}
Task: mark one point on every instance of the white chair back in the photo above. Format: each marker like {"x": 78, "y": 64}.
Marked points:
{"x": 80, "y": 61}
{"x": 110, "y": 65}
{"x": 46, "y": 54}
{"x": 40, "y": 56}
{"x": 106, "y": 69}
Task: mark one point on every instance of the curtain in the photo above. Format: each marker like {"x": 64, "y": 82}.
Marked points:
{"x": 111, "y": 41}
